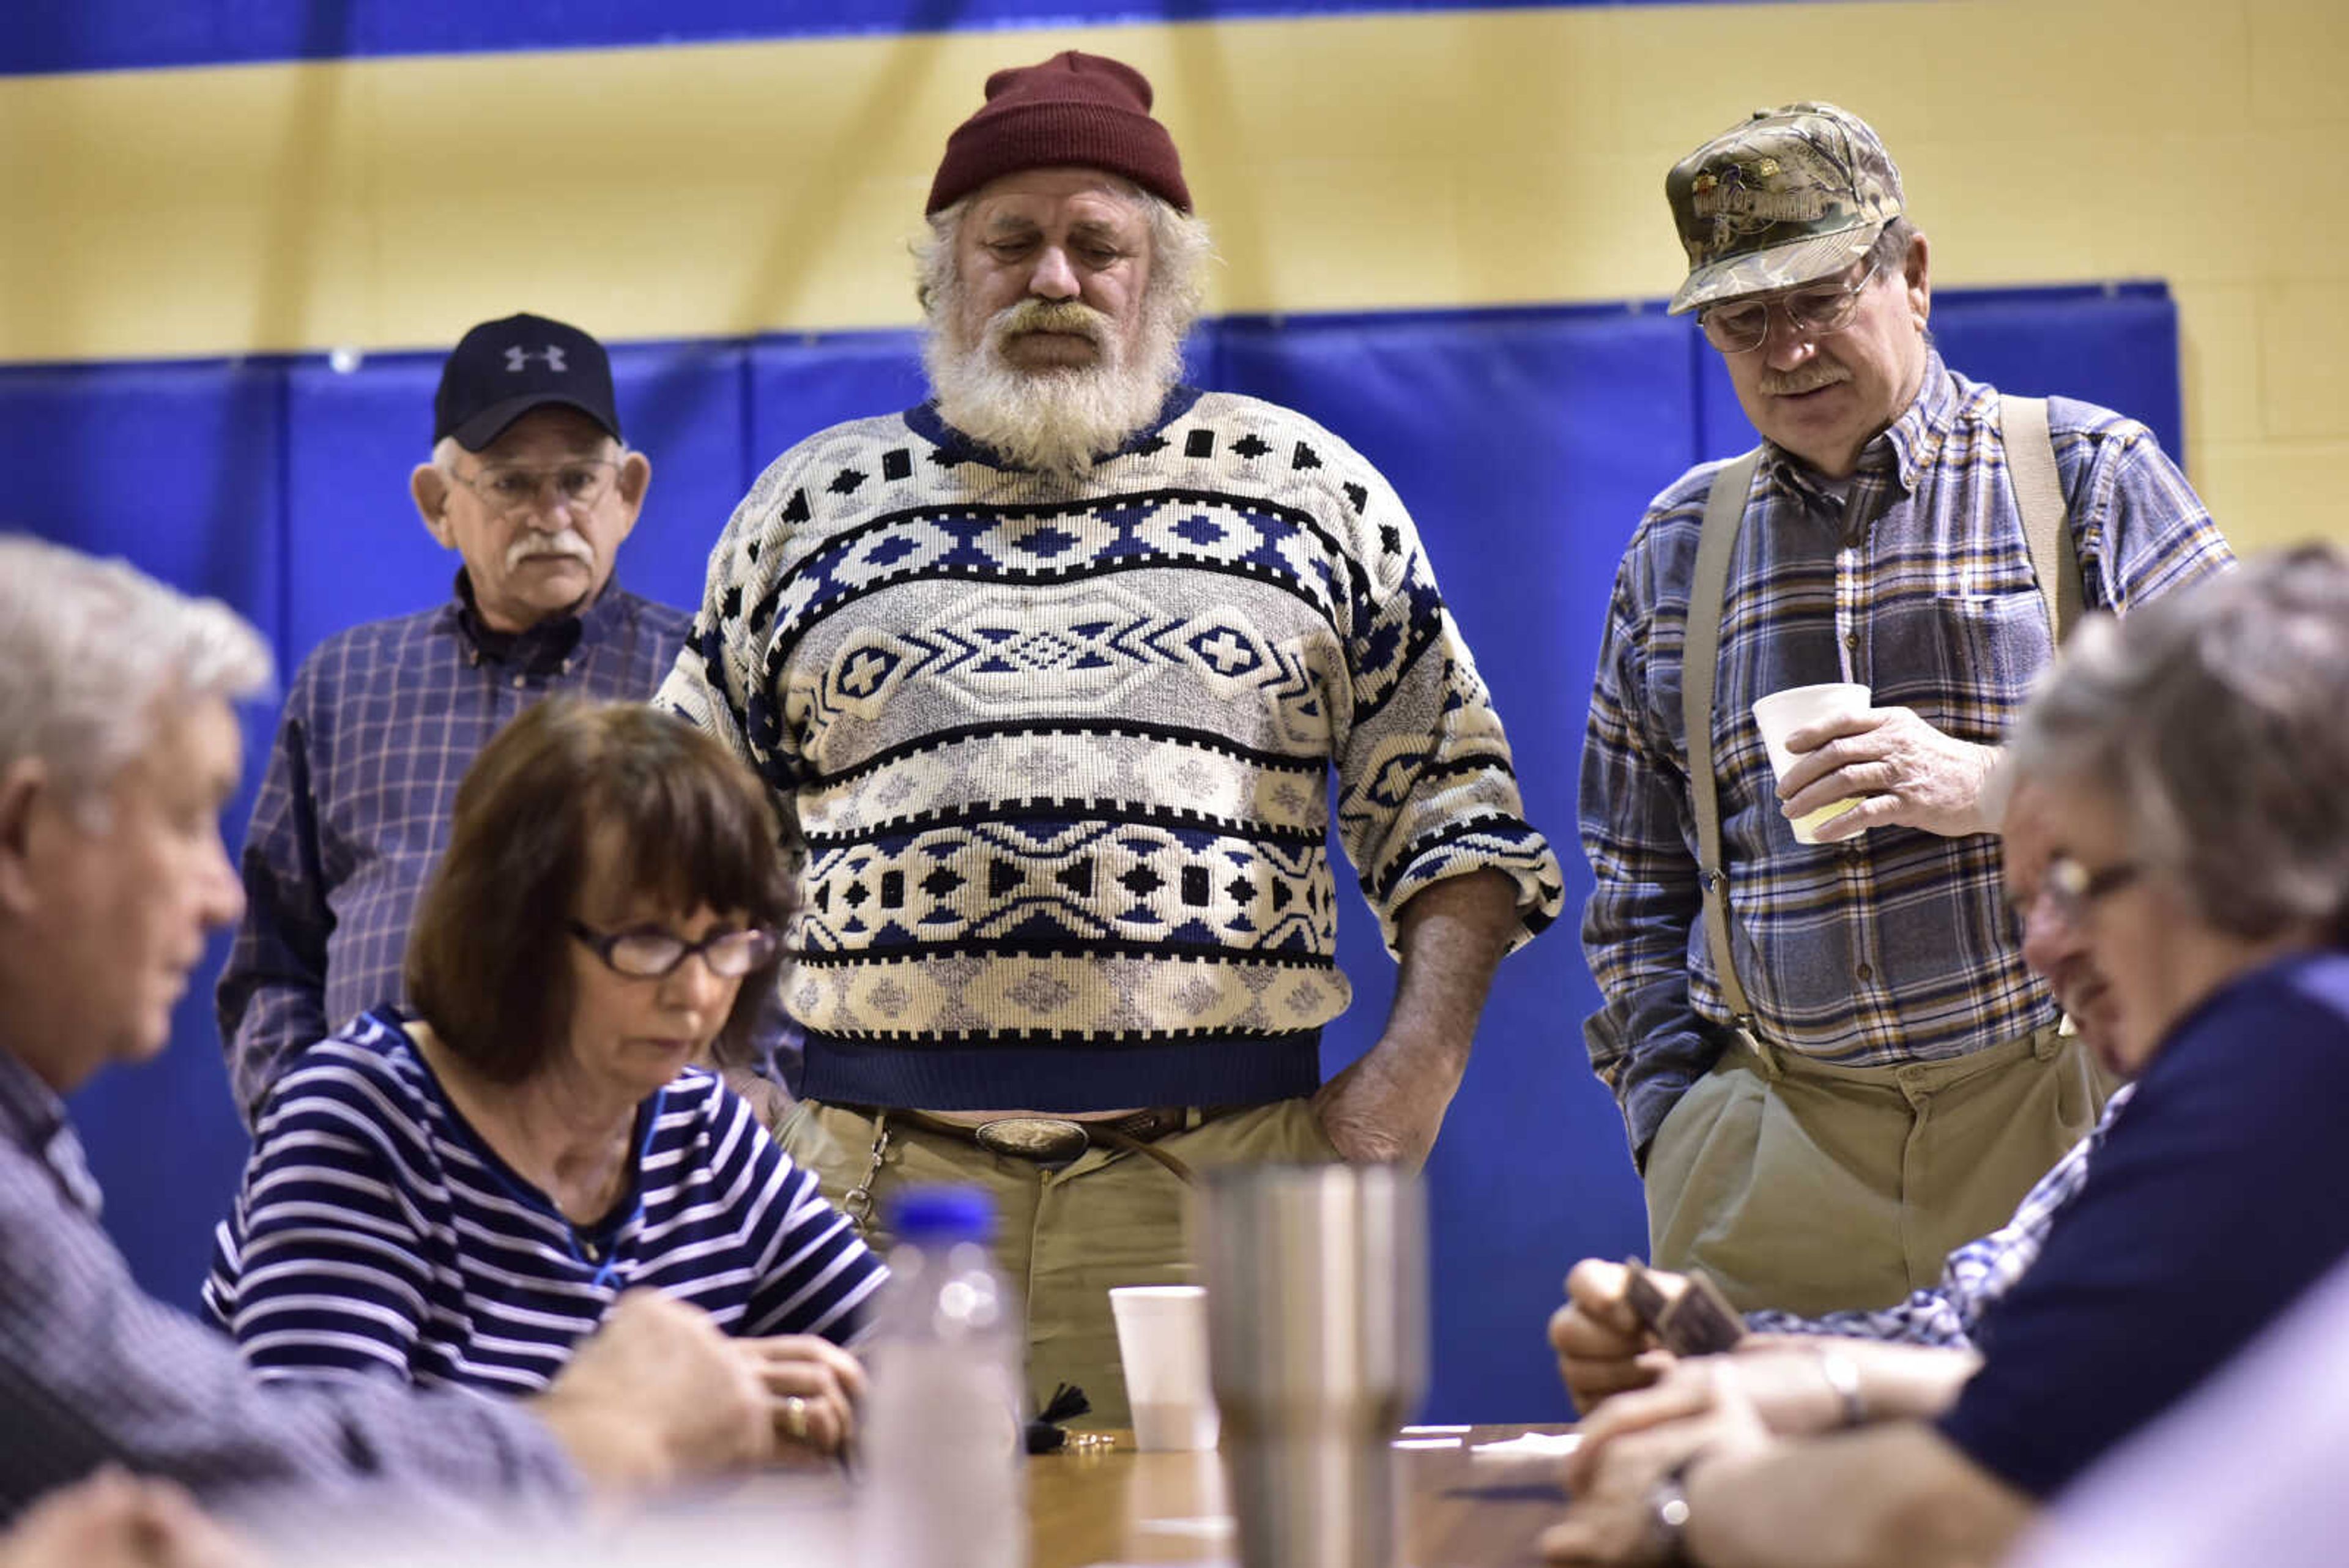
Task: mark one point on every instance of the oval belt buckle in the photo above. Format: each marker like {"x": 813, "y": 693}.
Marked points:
{"x": 1046, "y": 1140}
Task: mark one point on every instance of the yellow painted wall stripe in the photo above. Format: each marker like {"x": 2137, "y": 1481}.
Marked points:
{"x": 1413, "y": 159}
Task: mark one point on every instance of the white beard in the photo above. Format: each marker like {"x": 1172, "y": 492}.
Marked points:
{"x": 1055, "y": 420}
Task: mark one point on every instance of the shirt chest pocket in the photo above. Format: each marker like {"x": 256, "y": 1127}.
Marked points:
{"x": 1992, "y": 647}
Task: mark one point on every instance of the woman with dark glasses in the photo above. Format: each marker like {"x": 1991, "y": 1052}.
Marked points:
{"x": 458, "y": 1194}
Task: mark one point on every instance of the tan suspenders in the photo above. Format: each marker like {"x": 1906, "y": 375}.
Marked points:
{"x": 2054, "y": 560}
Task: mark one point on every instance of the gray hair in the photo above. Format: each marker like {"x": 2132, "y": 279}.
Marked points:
{"x": 1179, "y": 248}
{"x": 2218, "y": 719}
{"x": 88, "y": 651}
{"x": 1889, "y": 251}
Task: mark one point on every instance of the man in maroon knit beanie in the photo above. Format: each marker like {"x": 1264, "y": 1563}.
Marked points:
{"x": 1048, "y": 675}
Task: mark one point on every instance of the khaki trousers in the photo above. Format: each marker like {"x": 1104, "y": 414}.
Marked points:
{"x": 1063, "y": 1237}
{"x": 1812, "y": 1188}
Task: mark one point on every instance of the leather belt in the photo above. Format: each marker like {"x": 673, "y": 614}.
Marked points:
{"x": 1055, "y": 1141}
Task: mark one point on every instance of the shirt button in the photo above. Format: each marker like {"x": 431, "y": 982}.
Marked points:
{"x": 1851, "y": 639}
{"x": 1865, "y": 972}
{"x": 518, "y": 682}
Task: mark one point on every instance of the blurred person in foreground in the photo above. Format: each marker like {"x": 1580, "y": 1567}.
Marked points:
{"x": 531, "y": 483}
{"x": 1051, "y": 675}
{"x": 117, "y": 754}
{"x": 2196, "y": 772}
{"x": 115, "y": 1520}
{"x": 2248, "y": 1470}
{"x": 458, "y": 1194}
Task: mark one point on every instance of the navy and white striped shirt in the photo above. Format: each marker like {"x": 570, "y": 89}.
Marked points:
{"x": 378, "y": 1234}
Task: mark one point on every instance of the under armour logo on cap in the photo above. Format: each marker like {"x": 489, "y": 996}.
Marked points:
{"x": 503, "y": 369}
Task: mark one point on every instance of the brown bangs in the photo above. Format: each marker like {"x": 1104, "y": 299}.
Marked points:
{"x": 488, "y": 960}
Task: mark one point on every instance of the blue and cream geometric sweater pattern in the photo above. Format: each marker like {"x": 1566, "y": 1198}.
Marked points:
{"x": 1056, "y": 755}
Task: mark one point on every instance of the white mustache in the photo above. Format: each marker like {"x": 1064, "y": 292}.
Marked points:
{"x": 567, "y": 542}
{"x": 1048, "y": 315}
{"x": 1809, "y": 379}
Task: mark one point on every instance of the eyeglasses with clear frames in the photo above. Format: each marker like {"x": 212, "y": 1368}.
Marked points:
{"x": 516, "y": 487}
{"x": 1815, "y": 310}
{"x": 648, "y": 952}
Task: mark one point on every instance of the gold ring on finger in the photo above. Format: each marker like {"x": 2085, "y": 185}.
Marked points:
{"x": 795, "y": 1421}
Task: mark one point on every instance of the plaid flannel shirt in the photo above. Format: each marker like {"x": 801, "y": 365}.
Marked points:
{"x": 1916, "y": 580}
{"x": 381, "y": 724}
{"x": 1978, "y": 1275}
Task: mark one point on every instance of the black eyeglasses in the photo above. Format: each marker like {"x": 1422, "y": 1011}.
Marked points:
{"x": 648, "y": 952}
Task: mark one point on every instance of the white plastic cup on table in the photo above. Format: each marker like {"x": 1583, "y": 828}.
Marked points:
{"x": 1781, "y": 713}
{"x": 1162, "y": 1338}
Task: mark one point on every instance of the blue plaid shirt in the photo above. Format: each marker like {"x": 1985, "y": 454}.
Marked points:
{"x": 353, "y": 813}
{"x": 1978, "y": 1275}
{"x": 1896, "y": 946}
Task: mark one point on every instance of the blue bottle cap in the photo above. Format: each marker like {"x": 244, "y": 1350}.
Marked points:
{"x": 942, "y": 1214}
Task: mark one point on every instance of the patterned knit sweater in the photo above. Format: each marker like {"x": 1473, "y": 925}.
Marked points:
{"x": 1056, "y": 755}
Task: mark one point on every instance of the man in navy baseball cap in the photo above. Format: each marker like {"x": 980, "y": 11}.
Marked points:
{"x": 503, "y": 369}
{"x": 530, "y": 485}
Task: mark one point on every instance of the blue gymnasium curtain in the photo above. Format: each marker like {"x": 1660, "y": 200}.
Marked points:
{"x": 1525, "y": 441}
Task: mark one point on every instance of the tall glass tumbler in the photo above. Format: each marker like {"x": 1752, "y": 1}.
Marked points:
{"x": 1316, "y": 1342}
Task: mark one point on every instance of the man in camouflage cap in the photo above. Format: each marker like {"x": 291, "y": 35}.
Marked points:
{"x": 1831, "y": 1058}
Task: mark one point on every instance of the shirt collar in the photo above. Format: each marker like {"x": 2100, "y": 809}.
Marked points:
{"x": 956, "y": 447}
{"x": 1906, "y": 447}
{"x": 34, "y": 1118}
{"x": 541, "y": 649}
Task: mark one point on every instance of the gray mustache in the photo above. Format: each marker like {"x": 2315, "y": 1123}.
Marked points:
{"x": 567, "y": 542}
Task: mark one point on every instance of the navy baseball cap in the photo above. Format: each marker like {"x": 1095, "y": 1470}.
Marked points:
{"x": 502, "y": 370}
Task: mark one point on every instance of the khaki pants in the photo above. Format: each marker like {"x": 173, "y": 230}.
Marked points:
{"x": 1063, "y": 1237}
{"x": 1812, "y": 1188}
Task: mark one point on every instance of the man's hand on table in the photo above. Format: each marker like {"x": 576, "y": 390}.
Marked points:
{"x": 1630, "y": 1446}
{"x": 1602, "y": 1348}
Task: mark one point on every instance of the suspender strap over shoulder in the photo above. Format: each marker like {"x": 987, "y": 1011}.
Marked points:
{"x": 2039, "y": 496}
{"x": 1725, "y": 509}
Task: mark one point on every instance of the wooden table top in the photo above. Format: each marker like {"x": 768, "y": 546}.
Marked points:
{"x": 1461, "y": 1510}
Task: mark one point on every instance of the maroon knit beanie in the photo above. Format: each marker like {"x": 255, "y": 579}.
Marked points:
{"x": 1075, "y": 110}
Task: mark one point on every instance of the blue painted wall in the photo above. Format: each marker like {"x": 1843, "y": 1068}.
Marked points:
{"x": 1525, "y": 441}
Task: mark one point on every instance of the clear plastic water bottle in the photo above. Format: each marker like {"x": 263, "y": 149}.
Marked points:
{"x": 943, "y": 1447}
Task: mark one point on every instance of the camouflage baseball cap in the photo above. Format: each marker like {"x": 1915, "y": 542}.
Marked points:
{"x": 1794, "y": 194}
